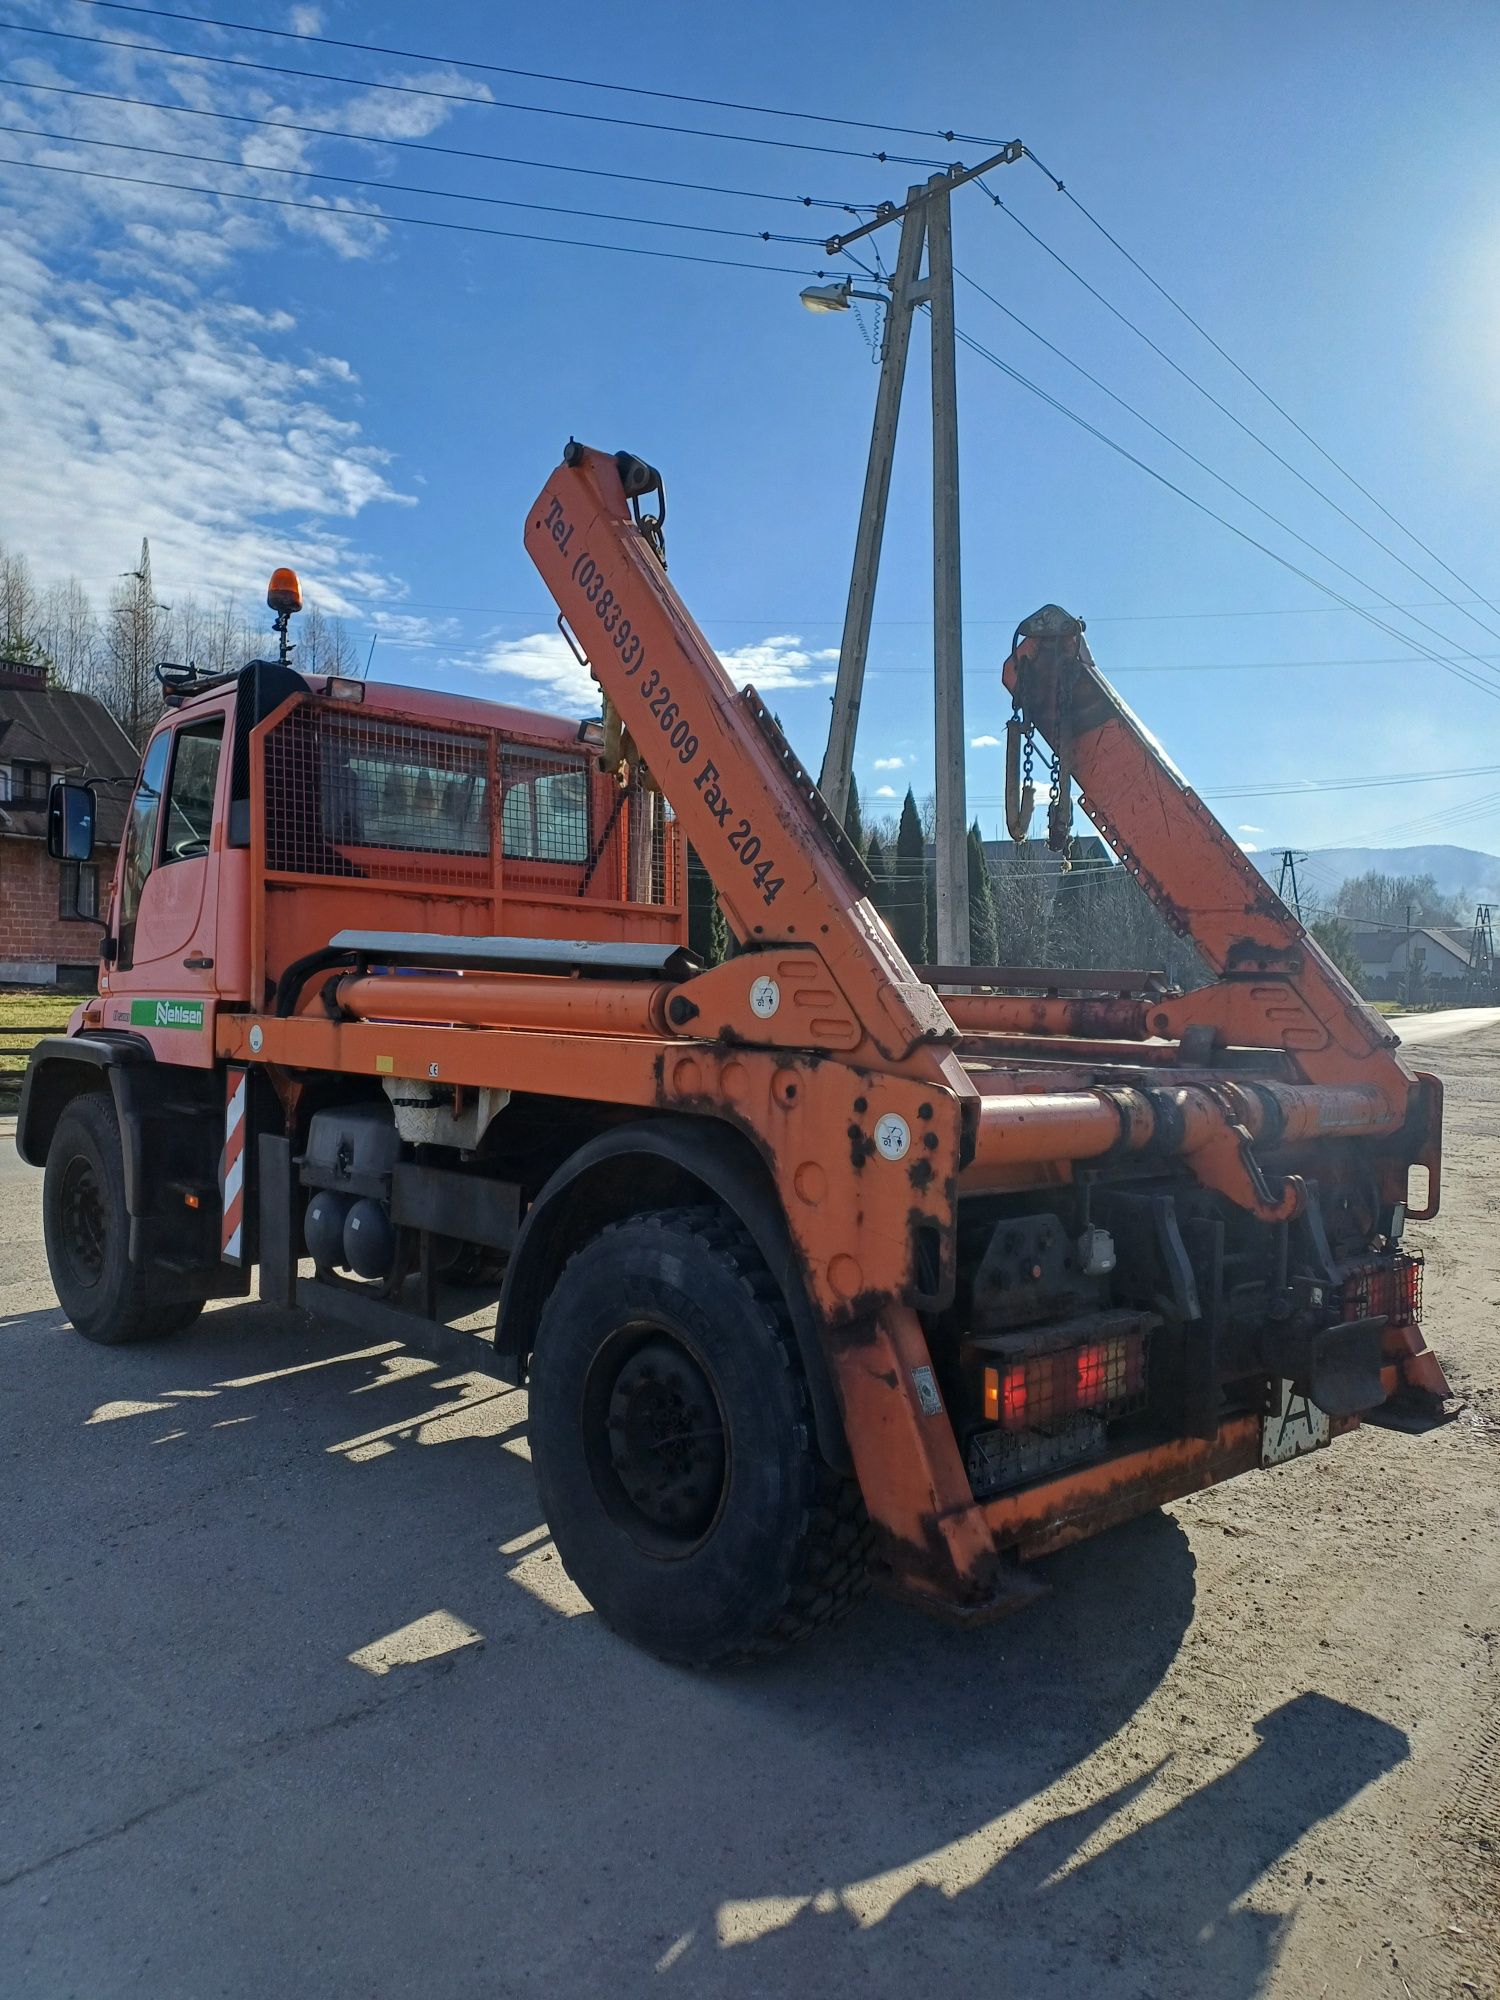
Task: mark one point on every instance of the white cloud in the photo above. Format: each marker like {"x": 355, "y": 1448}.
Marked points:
{"x": 137, "y": 396}
{"x": 1250, "y": 847}
{"x": 782, "y": 662}
{"x": 305, "y": 21}
{"x": 100, "y": 442}
{"x": 381, "y": 114}
{"x": 984, "y": 742}
{"x": 410, "y": 629}
{"x": 546, "y": 661}
{"x": 888, "y": 763}
{"x": 1249, "y": 829}
{"x": 886, "y": 792}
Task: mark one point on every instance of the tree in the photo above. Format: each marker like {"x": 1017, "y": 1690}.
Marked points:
{"x": 71, "y": 638}
{"x": 133, "y": 637}
{"x": 875, "y": 861}
{"x": 708, "y": 933}
{"x": 324, "y": 645}
{"x": 880, "y": 877}
{"x": 20, "y": 612}
{"x": 908, "y": 913}
{"x": 854, "y": 824}
{"x": 721, "y": 938}
{"x": 1337, "y": 939}
{"x": 984, "y": 944}
{"x": 1373, "y": 898}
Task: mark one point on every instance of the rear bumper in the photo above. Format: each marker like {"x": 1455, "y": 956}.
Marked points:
{"x": 1045, "y": 1517}
{"x": 1054, "y": 1513}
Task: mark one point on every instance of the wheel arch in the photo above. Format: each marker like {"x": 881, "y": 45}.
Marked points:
{"x": 171, "y": 1129}
{"x": 655, "y": 1163}
{"x": 61, "y": 1068}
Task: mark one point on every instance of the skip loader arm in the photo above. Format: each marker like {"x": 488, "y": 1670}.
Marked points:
{"x": 1276, "y": 987}
{"x": 865, "y": 1148}
{"x": 785, "y": 875}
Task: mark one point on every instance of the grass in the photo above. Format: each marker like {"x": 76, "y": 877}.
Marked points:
{"x": 38, "y": 1009}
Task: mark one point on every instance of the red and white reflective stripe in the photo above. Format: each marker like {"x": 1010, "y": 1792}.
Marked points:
{"x": 232, "y": 1167}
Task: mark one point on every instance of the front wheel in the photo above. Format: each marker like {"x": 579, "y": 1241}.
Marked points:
{"x": 671, "y": 1433}
{"x": 87, "y": 1230}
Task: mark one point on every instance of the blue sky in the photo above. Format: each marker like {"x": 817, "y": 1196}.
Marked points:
{"x": 378, "y": 404}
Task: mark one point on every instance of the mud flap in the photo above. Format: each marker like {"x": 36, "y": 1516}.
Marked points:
{"x": 1337, "y": 1367}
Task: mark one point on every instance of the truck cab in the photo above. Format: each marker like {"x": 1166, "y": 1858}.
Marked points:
{"x": 274, "y": 809}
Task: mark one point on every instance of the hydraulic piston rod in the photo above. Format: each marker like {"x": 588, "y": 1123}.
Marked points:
{"x": 499, "y": 1000}
{"x": 1179, "y": 1119}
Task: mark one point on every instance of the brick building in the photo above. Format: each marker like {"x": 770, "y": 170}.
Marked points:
{"x": 46, "y": 937}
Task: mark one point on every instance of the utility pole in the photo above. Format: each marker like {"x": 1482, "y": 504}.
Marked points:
{"x": 838, "y": 758}
{"x": 924, "y": 216}
{"x": 1481, "y": 978}
{"x": 1287, "y": 880}
{"x": 950, "y": 833}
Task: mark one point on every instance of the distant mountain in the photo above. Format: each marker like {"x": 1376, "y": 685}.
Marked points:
{"x": 1458, "y": 871}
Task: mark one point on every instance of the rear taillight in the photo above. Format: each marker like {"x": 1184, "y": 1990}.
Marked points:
{"x": 1390, "y": 1290}
{"x": 1044, "y": 1389}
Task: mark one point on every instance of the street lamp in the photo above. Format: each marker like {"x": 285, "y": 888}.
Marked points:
{"x": 835, "y": 298}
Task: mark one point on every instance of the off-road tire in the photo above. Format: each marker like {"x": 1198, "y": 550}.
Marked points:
{"x": 786, "y": 1551}
{"x": 108, "y": 1298}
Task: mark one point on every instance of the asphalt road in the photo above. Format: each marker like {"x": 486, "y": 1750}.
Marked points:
{"x": 298, "y": 1701}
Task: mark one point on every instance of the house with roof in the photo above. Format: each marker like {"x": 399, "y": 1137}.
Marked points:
{"x": 47, "y": 936}
{"x": 1425, "y": 962}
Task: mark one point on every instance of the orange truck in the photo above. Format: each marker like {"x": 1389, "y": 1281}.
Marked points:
{"x": 819, "y": 1267}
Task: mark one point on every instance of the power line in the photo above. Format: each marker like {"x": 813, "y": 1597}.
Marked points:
{"x": 1238, "y": 422}
{"x": 1181, "y": 667}
{"x": 330, "y": 214}
{"x": 403, "y": 187}
{"x": 1204, "y": 466}
{"x": 1260, "y": 611}
{"x": 1319, "y": 787}
{"x": 1462, "y": 813}
{"x": 784, "y": 621}
{"x": 1259, "y": 389}
{"x": 346, "y": 180}
{"x": 1391, "y": 631}
{"x": 428, "y": 146}
{"x": 466, "y": 97}
{"x": 543, "y": 76}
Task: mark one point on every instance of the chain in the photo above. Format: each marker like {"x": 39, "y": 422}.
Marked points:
{"x": 651, "y": 528}
{"x": 1054, "y": 799}
{"x": 1028, "y": 751}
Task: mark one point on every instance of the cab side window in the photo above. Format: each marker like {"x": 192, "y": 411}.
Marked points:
{"x": 190, "y": 795}
{"x": 140, "y": 839}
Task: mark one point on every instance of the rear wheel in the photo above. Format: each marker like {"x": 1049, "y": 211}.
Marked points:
{"x": 86, "y": 1225}
{"x": 671, "y": 1432}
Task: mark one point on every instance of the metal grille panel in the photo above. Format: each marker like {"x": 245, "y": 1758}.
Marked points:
{"x": 1391, "y": 1290}
{"x": 355, "y": 795}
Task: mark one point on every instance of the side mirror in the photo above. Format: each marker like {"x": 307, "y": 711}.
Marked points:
{"x": 70, "y": 821}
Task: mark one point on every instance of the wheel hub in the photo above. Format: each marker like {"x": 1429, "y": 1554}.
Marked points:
{"x": 666, "y": 1438}
{"x": 83, "y": 1221}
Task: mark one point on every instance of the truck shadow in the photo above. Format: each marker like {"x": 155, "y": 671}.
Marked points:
{"x": 892, "y": 1808}
{"x": 1155, "y": 1905}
